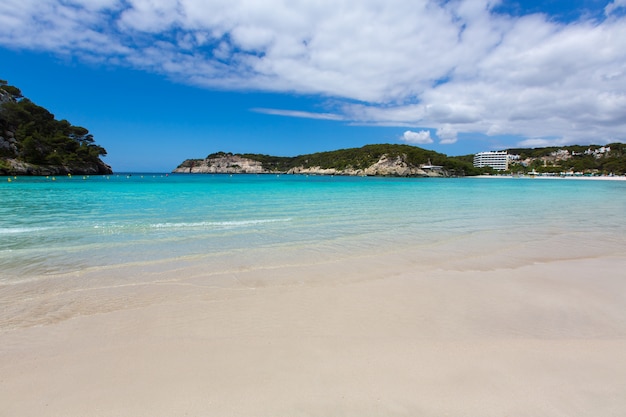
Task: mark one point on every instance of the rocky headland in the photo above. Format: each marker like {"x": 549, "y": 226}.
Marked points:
{"x": 222, "y": 164}
{"x": 384, "y": 165}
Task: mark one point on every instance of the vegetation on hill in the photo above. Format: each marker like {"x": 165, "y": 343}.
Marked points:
{"x": 32, "y": 141}
{"x": 361, "y": 158}
{"x": 587, "y": 159}
{"x": 590, "y": 159}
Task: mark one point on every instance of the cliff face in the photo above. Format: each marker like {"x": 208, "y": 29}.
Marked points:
{"x": 226, "y": 164}
{"x": 10, "y": 166}
{"x": 235, "y": 164}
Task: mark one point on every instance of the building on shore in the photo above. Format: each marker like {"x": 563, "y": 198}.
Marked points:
{"x": 498, "y": 160}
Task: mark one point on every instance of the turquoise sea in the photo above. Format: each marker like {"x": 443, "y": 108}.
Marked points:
{"x": 131, "y": 226}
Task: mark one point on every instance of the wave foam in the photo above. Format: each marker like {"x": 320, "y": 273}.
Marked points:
{"x": 20, "y": 230}
{"x": 235, "y": 223}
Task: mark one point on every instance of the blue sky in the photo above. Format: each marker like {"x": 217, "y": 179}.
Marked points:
{"x": 159, "y": 81}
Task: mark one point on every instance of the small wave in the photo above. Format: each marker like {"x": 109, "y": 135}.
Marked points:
{"x": 235, "y": 223}
{"x": 20, "y": 230}
{"x": 189, "y": 225}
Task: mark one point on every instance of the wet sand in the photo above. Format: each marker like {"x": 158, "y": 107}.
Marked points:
{"x": 355, "y": 337}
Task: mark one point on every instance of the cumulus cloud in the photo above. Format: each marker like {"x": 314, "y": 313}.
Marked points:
{"x": 451, "y": 66}
{"x": 417, "y": 138}
{"x": 447, "y": 134}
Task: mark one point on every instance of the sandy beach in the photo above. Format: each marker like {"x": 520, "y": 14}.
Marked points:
{"x": 382, "y": 336}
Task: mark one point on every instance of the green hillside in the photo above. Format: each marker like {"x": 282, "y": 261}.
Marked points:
{"x": 361, "y": 158}
{"x": 34, "y": 142}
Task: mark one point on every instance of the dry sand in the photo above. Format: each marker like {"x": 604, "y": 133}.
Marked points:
{"x": 354, "y": 338}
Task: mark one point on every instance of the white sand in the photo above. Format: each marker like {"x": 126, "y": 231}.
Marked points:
{"x": 354, "y": 338}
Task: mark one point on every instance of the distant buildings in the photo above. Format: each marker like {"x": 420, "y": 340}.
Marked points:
{"x": 598, "y": 153}
{"x": 552, "y": 160}
{"x": 564, "y": 154}
{"x": 498, "y": 160}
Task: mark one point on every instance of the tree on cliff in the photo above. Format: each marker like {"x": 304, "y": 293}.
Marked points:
{"x": 30, "y": 133}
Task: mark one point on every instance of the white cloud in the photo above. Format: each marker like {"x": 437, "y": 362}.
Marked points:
{"x": 614, "y": 5}
{"x": 447, "y": 134}
{"x": 453, "y": 66}
{"x": 418, "y": 138}
{"x": 540, "y": 143}
{"x": 301, "y": 114}
{"x": 95, "y": 4}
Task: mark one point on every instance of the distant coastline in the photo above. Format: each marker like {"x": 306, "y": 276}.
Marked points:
{"x": 393, "y": 160}
{"x": 559, "y": 177}
{"x": 371, "y": 160}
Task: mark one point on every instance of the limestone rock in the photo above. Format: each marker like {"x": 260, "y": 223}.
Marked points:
{"x": 226, "y": 164}
{"x": 12, "y": 166}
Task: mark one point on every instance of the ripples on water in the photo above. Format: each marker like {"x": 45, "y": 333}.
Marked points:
{"x": 72, "y": 224}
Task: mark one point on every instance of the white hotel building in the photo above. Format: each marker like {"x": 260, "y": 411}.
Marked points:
{"x": 497, "y": 160}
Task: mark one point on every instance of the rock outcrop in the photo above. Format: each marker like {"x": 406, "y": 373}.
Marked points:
{"x": 5, "y": 97}
{"x": 399, "y": 168}
{"x": 9, "y": 166}
{"x": 8, "y": 143}
{"x": 223, "y": 164}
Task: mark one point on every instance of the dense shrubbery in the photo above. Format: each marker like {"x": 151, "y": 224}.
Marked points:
{"x": 31, "y": 134}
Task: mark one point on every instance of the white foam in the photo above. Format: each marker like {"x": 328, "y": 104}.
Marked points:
{"x": 237, "y": 223}
{"x": 19, "y": 230}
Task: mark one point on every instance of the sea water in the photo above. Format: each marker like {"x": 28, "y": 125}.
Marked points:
{"x": 129, "y": 226}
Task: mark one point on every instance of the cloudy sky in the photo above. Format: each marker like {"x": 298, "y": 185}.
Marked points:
{"x": 158, "y": 81}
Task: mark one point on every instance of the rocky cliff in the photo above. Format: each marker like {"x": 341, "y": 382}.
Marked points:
{"x": 222, "y": 164}
{"x": 395, "y": 166}
{"x": 11, "y": 166}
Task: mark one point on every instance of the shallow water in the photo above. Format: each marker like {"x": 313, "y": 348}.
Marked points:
{"x": 73, "y": 225}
